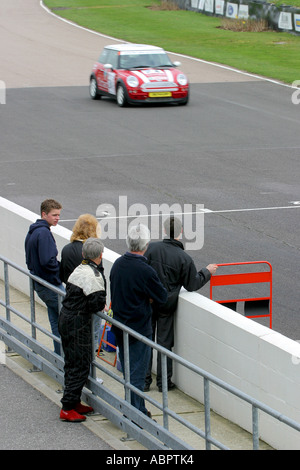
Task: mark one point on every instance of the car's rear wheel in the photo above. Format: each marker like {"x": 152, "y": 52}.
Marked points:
{"x": 121, "y": 96}
{"x": 94, "y": 89}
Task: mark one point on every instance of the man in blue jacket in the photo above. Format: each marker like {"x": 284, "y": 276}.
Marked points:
{"x": 41, "y": 259}
{"x": 134, "y": 285}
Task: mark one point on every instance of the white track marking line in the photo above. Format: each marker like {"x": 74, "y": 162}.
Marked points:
{"x": 253, "y": 209}
{"x": 77, "y": 25}
{"x": 203, "y": 211}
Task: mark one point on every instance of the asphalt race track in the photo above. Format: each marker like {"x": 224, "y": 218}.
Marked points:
{"x": 235, "y": 149}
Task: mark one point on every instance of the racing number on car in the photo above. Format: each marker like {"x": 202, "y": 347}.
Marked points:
{"x": 111, "y": 84}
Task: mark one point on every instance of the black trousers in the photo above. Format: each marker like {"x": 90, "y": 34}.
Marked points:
{"x": 76, "y": 336}
{"x": 163, "y": 328}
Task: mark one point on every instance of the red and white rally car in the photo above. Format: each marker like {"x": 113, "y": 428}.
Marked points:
{"x": 138, "y": 73}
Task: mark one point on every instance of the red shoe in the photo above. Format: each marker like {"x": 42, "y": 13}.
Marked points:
{"x": 71, "y": 415}
{"x": 83, "y": 409}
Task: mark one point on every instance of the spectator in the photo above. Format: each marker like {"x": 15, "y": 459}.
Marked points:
{"x": 134, "y": 284}
{"x": 85, "y": 295}
{"x": 85, "y": 227}
{"x": 41, "y": 259}
{"x": 175, "y": 269}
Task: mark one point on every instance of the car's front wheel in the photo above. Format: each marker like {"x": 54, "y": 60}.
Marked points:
{"x": 94, "y": 89}
{"x": 185, "y": 100}
{"x": 121, "y": 96}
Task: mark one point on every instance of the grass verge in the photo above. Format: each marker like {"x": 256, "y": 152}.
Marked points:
{"x": 267, "y": 53}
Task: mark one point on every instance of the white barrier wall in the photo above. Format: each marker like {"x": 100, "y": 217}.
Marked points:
{"x": 251, "y": 357}
{"x": 256, "y": 360}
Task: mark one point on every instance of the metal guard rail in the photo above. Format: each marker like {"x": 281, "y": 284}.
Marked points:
{"x": 119, "y": 411}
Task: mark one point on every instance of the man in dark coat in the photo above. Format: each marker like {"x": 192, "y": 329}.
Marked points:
{"x": 175, "y": 269}
{"x": 134, "y": 285}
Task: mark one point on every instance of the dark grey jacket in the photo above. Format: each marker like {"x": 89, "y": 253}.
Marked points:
{"x": 175, "y": 269}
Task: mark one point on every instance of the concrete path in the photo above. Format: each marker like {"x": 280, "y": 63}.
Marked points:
{"x": 29, "y": 420}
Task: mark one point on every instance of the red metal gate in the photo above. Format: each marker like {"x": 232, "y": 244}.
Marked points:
{"x": 254, "y": 307}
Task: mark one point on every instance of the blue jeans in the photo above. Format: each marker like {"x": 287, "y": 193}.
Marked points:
{"x": 139, "y": 357}
{"x": 50, "y": 298}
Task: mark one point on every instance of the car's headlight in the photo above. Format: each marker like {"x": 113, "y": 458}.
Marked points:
{"x": 182, "y": 80}
{"x": 132, "y": 81}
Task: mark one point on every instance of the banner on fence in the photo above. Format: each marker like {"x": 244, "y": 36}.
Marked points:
{"x": 282, "y": 18}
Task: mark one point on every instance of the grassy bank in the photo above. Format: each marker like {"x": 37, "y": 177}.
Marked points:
{"x": 291, "y": 3}
{"x": 271, "y": 54}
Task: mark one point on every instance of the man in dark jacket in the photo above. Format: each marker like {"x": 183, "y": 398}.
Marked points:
{"x": 134, "y": 284}
{"x": 85, "y": 295}
{"x": 41, "y": 259}
{"x": 175, "y": 269}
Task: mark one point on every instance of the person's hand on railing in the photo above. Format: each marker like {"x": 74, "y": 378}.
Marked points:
{"x": 212, "y": 268}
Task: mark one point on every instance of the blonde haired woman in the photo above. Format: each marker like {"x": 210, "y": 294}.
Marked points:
{"x": 86, "y": 226}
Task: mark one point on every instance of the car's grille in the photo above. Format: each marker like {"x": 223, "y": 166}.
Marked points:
{"x": 159, "y": 86}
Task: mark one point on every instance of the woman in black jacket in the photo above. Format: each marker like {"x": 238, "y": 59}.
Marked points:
{"x": 86, "y": 226}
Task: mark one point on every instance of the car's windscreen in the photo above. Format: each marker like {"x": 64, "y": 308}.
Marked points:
{"x": 140, "y": 60}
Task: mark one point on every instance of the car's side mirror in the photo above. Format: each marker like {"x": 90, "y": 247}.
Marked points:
{"x": 177, "y": 64}
{"x": 108, "y": 66}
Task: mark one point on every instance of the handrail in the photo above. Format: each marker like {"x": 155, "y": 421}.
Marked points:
{"x": 115, "y": 408}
